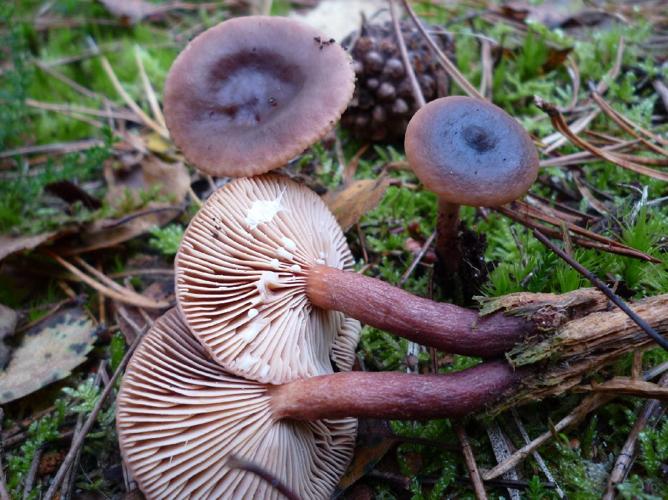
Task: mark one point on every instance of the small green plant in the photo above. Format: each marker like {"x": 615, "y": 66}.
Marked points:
{"x": 166, "y": 239}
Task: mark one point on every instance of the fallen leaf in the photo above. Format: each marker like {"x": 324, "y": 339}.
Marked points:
{"x": 14, "y": 244}
{"x": 172, "y": 181}
{"x": 8, "y": 318}
{"x": 48, "y": 352}
{"x": 350, "y": 203}
{"x": 71, "y": 193}
{"x": 375, "y": 440}
{"x": 112, "y": 232}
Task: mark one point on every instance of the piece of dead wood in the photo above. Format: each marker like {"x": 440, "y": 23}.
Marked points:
{"x": 572, "y": 350}
{"x": 607, "y": 291}
{"x": 628, "y": 387}
{"x": 648, "y": 415}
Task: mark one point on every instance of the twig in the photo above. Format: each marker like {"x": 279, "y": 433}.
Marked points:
{"x": 32, "y": 473}
{"x": 628, "y": 126}
{"x": 487, "y": 69}
{"x": 68, "y": 483}
{"x": 74, "y": 108}
{"x": 72, "y": 84}
{"x": 78, "y": 440}
{"x": 234, "y": 462}
{"x": 121, "y": 295}
{"x": 556, "y": 140}
{"x": 417, "y": 259}
{"x": 587, "y": 243}
{"x": 147, "y": 120}
{"x": 588, "y": 404}
{"x": 143, "y": 272}
{"x": 583, "y": 156}
{"x": 54, "y": 148}
{"x": 615, "y": 299}
{"x": 471, "y": 464}
{"x": 536, "y": 456}
{"x": 629, "y": 387}
{"x": 150, "y": 92}
{"x": 447, "y": 64}
{"x": 4, "y": 494}
{"x": 561, "y": 125}
{"x": 649, "y": 412}
{"x": 415, "y": 86}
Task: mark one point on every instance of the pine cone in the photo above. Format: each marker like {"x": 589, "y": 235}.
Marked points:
{"x": 383, "y": 101}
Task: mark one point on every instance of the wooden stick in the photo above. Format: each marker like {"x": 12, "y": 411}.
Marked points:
{"x": 627, "y": 454}
{"x": 447, "y": 64}
{"x": 415, "y": 86}
{"x": 588, "y": 404}
{"x": 471, "y": 464}
{"x": 126, "y": 296}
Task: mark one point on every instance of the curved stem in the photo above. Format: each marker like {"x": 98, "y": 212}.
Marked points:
{"x": 436, "y": 324}
{"x": 392, "y": 395}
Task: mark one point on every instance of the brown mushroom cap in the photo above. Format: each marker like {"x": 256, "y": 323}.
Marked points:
{"x": 180, "y": 416}
{"x": 241, "y": 281}
{"x": 470, "y": 152}
{"x": 246, "y": 96}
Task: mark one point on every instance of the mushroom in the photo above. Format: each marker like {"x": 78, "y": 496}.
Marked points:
{"x": 241, "y": 276}
{"x": 263, "y": 269}
{"x": 180, "y": 416}
{"x": 249, "y": 94}
{"x": 469, "y": 152}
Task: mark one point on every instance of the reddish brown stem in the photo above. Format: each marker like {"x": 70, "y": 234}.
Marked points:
{"x": 436, "y": 324}
{"x": 447, "y": 237}
{"x": 393, "y": 395}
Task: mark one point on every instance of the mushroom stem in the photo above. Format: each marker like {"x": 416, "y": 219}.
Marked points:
{"x": 444, "y": 326}
{"x": 392, "y": 395}
{"x": 447, "y": 240}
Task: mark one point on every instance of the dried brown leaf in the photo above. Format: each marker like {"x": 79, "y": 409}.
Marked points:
{"x": 350, "y": 203}
{"x": 14, "y": 244}
{"x": 48, "y": 353}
